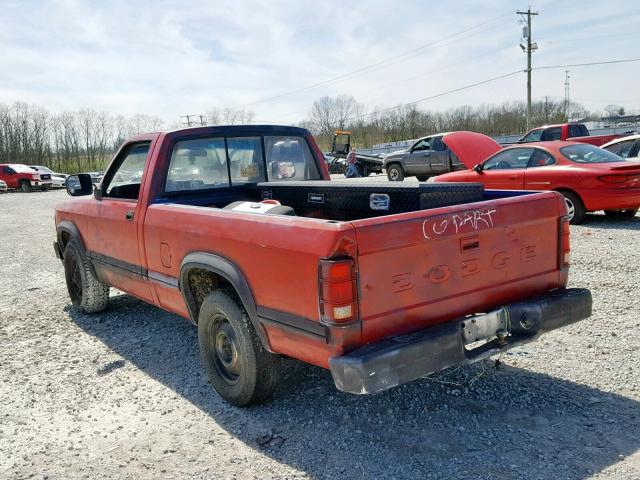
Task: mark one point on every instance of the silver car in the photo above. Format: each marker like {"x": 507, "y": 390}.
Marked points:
{"x": 625, "y": 147}
{"x": 427, "y": 157}
{"x": 3, "y": 186}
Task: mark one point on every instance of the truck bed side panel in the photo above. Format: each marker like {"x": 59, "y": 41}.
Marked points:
{"x": 278, "y": 255}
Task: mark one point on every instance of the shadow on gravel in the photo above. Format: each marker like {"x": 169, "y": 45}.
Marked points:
{"x": 607, "y": 223}
{"x": 472, "y": 422}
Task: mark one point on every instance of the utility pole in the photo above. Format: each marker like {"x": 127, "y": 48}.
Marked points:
{"x": 529, "y": 49}
{"x": 194, "y": 120}
{"x": 566, "y": 94}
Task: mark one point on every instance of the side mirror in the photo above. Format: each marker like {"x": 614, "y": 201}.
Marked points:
{"x": 478, "y": 168}
{"x": 79, "y": 185}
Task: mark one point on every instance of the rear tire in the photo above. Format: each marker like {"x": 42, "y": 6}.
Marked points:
{"x": 45, "y": 188}
{"x": 239, "y": 367}
{"x": 630, "y": 213}
{"x": 395, "y": 173}
{"x": 25, "y": 186}
{"x": 87, "y": 293}
{"x": 422, "y": 178}
{"x": 575, "y": 208}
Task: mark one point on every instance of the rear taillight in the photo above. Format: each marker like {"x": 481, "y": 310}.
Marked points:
{"x": 564, "y": 256}
{"x": 621, "y": 179}
{"x": 337, "y": 291}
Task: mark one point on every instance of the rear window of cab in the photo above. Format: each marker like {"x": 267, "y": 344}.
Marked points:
{"x": 214, "y": 162}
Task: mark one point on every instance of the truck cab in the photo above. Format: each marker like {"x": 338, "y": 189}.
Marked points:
{"x": 573, "y": 132}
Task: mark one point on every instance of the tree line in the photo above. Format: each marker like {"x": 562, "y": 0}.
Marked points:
{"x": 82, "y": 140}
{"x": 85, "y": 140}
{"x": 407, "y": 122}
{"x": 73, "y": 141}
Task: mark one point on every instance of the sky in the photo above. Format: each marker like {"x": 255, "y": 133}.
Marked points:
{"x": 276, "y": 57}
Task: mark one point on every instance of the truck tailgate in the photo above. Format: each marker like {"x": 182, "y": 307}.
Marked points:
{"x": 422, "y": 268}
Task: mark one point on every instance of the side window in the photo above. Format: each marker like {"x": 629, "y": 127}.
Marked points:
{"x": 197, "y": 164}
{"x": 509, "y": 159}
{"x": 583, "y": 131}
{"x": 246, "y": 161}
{"x": 540, "y": 158}
{"x": 424, "y": 144}
{"x": 125, "y": 179}
{"x": 438, "y": 145}
{"x": 621, "y": 148}
{"x": 574, "y": 130}
{"x": 533, "y": 136}
{"x": 551, "y": 134}
{"x": 289, "y": 158}
{"x": 7, "y": 170}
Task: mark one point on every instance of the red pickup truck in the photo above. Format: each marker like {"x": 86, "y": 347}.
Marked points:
{"x": 239, "y": 230}
{"x": 20, "y": 176}
{"x": 572, "y": 132}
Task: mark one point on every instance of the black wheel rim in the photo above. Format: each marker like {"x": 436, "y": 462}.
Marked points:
{"x": 74, "y": 282}
{"x": 225, "y": 352}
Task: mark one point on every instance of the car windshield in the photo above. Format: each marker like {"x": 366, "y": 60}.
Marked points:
{"x": 586, "y": 153}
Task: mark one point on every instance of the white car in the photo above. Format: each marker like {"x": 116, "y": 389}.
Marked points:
{"x": 58, "y": 180}
{"x": 3, "y": 186}
{"x": 625, "y": 147}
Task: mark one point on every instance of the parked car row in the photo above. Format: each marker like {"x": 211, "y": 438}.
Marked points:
{"x": 15, "y": 176}
{"x": 22, "y": 177}
{"x": 589, "y": 177}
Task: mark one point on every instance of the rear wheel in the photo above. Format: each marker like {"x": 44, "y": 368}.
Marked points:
{"x": 25, "y": 185}
{"x": 239, "y": 367}
{"x": 45, "y": 188}
{"x": 87, "y": 293}
{"x": 395, "y": 173}
{"x": 575, "y": 208}
{"x": 629, "y": 213}
{"x": 422, "y": 178}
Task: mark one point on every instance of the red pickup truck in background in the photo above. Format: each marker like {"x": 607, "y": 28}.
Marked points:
{"x": 20, "y": 176}
{"x": 239, "y": 230}
{"x": 572, "y": 132}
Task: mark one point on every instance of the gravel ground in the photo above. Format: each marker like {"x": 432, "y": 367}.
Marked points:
{"x": 122, "y": 394}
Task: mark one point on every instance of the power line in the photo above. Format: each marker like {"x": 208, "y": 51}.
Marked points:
{"x": 627, "y": 60}
{"x": 374, "y": 66}
{"x": 437, "y": 95}
{"x": 442, "y": 94}
{"x": 428, "y": 73}
{"x": 488, "y": 81}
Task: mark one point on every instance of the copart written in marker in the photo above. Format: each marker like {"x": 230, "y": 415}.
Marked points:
{"x": 468, "y": 221}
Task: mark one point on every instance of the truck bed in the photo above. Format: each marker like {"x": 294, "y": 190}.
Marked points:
{"x": 415, "y": 269}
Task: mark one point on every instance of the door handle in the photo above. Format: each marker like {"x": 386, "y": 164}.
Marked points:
{"x": 129, "y": 215}
{"x": 513, "y": 177}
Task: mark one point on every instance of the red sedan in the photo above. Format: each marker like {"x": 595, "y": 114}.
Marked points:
{"x": 589, "y": 177}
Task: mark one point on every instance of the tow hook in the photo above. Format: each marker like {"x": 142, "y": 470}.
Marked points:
{"x": 502, "y": 335}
